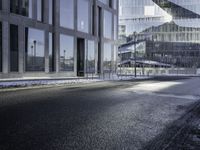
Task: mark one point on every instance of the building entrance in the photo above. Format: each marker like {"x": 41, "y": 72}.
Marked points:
{"x": 80, "y": 57}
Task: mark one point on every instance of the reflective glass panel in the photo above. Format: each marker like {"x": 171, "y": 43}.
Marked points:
{"x": 107, "y": 24}
{"x": 83, "y": 15}
{"x": 90, "y": 57}
{"x": 39, "y": 10}
{"x": 107, "y": 58}
{"x": 34, "y": 49}
{"x": 67, "y": 13}
{"x": 66, "y": 53}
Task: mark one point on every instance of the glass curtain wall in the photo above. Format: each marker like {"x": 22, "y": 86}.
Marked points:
{"x": 115, "y": 28}
{"x": 107, "y": 57}
{"x": 90, "y": 57}
{"x": 105, "y": 1}
{"x": 34, "y": 49}
{"x": 21, "y": 7}
{"x": 107, "y": 24}
{"x": 40, "y": 10}
{"x": 66, "y": 53}
{"x": 83, "y": 15}
{"x": 14, "y": 49}
{"x": 51, "y": 11}
{"x": 67, "y": 13}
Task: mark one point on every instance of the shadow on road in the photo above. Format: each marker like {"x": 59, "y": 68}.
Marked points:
{"x": 182, "y": 134}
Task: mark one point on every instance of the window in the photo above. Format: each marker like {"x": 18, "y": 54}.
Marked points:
{"x": 51, "y": 11}
{"x": 115, "y": 28}
{"x": 40, "y": 10}
{"x": 0, "y": 47}
{"x": 66, "y": 53}
{"x": 0, "y": 4}
{"x": 51, "y": 53}
{"x": 14, "y": 49}
{"x": 107, "y": 2}
{"x": 90, "y": 57}
{"x": 34, "y": 49}
{"x": 67, "y": 13}
{"x": 83, "y": 16}
{"x": 107, "y": 58}
{"x": 21, "y": 7}
{"x": 107, "y": 24}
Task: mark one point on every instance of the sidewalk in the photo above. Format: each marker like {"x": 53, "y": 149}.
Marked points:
{"x": 30, "y": 82}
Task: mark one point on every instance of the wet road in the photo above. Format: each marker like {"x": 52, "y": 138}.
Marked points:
{"x": 126, "y": 115}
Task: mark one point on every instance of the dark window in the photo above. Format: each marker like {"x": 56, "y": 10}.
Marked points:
{"x": 51, "y": 53}
{"x": 110, "y": 3}
{"x": 21, "y": 7}
{"x": 14, "y": 48}
{"x": 0, "y": 47}
{"x": 0, "y": 4}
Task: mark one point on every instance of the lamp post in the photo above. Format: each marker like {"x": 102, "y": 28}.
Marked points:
{"x": 32, "y": 54}
{"x": 64, "y": 59}
{"x": 135, "y": 61}
{"x": 34, "y": 43}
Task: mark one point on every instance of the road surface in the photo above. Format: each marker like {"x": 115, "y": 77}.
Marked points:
{"x": 126, "y": 115}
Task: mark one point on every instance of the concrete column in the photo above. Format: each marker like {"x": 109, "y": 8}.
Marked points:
{"x": 102, "y": 54}
{"x": 86, "y": 57}
{"x": 75, "y": 39}
{"x": 96, "y": 57}
{"x": 5, "y": 46}
{"x": 101, "y": 40}
{"x": 56, "y": 35}
{"x": 21, "y": 39}
{"x": 46, "y": 53}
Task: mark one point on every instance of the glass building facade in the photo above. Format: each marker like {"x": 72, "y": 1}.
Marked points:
{"x": 57, "y": 37}
{"x": 171, "y": 29}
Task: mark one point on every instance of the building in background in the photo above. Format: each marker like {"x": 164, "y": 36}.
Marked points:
{"x": 137, "y": 15}
{"x": 52, "y": 38}
{"x": 175, "y": 41}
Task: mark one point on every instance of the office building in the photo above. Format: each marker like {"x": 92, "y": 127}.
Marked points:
{"x": 57, "y": 38}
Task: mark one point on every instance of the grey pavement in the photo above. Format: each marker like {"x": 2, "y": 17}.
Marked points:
{"x": 123, "y": 115}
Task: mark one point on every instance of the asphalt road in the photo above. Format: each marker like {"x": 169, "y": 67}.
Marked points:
{"x": 126, "y": 115}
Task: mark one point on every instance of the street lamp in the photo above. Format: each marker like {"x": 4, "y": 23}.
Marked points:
{"x": 34, "y": 43}
{"x": 32, "y": 54}
{"x": 64, "y": 59}
{"x": 135, "y": 54}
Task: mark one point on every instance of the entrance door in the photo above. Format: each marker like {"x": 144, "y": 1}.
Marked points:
{"x": 80, "y": 56}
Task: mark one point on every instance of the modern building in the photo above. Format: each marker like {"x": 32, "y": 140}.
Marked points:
{"x": 57, "y": 38}
{"x": 137, "y": 15}
{"x": 177, "y": 40}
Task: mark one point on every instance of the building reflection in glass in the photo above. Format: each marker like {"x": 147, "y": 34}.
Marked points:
{"x": 34, "y": 49}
